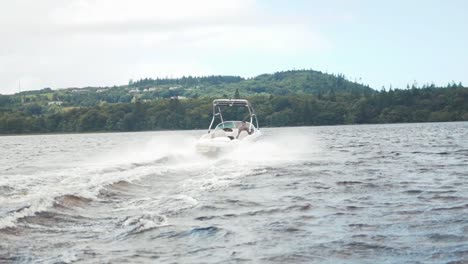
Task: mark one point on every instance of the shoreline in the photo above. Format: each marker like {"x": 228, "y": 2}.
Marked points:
{"x": 200, "y": 129}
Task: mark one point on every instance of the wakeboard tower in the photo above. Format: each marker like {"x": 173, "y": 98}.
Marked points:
{"x": 225, "y": 135}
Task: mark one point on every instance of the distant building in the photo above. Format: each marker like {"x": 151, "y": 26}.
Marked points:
{"x": 55, "y": 103}
{"x": 151, "y": 89}
{"x": 179, "y": 97}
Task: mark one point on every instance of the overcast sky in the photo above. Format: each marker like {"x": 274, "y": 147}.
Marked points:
{"x": 77, "y": 43}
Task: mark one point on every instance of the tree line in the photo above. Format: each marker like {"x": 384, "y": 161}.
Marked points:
{"x": 333, "y": 107}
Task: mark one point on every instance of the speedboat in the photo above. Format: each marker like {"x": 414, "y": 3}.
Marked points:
{"x": 224, "y": 135}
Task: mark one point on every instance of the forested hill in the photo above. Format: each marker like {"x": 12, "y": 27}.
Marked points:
{"x": 148, "y": 89}
{"x": 279, "y": 83}
{"x": 281, "y": 99}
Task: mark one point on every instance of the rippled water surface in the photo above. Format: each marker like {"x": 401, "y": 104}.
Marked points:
{"x": 343, "y": 194}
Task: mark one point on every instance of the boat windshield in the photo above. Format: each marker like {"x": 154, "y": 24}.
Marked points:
{"x": 229, "y": 124}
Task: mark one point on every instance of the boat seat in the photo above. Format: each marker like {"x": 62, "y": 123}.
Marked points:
{"x": 242, "y": 135}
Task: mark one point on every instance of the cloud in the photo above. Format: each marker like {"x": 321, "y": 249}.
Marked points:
{"x": 114, "y": 16}
{"x": 102, "y": 42}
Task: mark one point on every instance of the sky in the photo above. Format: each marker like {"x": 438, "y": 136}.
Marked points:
{"x": 79, "y": 43}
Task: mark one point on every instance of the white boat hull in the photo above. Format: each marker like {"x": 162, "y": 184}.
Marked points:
{"x": 213, "y": 146}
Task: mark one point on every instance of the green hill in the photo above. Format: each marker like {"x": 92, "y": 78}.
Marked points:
{"x": 281, "y": 99}
{"x": 148, "y": 89}
{"x": 279, "y": 83}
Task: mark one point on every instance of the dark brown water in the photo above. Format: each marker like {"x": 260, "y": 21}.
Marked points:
{"x": 344, "y": 194}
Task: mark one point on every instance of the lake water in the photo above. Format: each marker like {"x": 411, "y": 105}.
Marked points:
{"x": 342, "y": 194}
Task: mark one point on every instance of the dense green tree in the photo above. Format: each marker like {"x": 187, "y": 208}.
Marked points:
{"x": 33, "y": 109}
{"x": 236, "y": 94}
{"x": 5, "y": 100}
{"x": 92, "y": 120}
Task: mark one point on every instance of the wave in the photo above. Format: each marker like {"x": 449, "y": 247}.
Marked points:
{"x": 357, "y": 246}
{"x": 70, "y": 201}
{"x": 460, "y": 207}
{"x": 9, "y": 221}
{"x": 437, "y": 237}
{"x": 271, "y": 211}
{"x": 413, "y": 191}
{"x": 52, "y": 221}
{"x": 102, "y": 179}
{"x": 345, "y": 183}
{"x": 5, "y": 190}
{"x": 202, "y": 232}
{"x": 175, "y": 204}
{"x": 71, "y": 190}
{"x": 45, "y": 211}
{"x": 285, "y": 226}
{"x": 129, "y": 165}
{"x": 142, "y": 223}
{"x": 295, "y": 258}
{"x": 74, "y": 188}
{"x": 448, "y": 198}
{"x": 120, "y": 190}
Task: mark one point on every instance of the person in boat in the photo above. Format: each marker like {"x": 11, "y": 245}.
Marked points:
{"x": 243, "y": 127}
